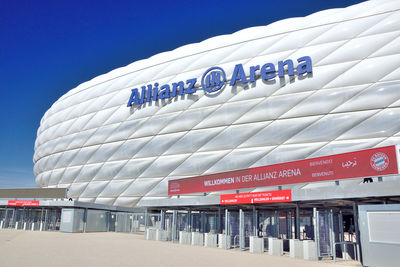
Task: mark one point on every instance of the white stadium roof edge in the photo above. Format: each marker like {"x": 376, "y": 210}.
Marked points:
{"x": 90, "y": 142}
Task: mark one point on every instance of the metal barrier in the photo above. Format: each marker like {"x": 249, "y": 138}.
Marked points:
{"x": 344, "y": 251}
{"x": 265, "y": 240}
{"x": 235, "y": 241}
{"x": 43, "y": 219}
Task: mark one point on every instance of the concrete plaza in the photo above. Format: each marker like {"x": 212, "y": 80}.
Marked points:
{"x": 33, "y": 248}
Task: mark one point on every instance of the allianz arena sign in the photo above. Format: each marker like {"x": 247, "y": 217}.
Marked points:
{"x": 365, "y": 163}
{"x": 214, "y": 79}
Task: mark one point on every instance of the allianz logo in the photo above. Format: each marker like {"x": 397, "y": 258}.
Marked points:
{"x": 214, "y": 79}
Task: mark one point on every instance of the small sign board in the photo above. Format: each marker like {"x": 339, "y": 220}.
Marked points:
{"x": 257, "y": 197}
{"x": 23, "y": 203}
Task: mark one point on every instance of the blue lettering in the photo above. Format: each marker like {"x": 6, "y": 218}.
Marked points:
{"x": 164, "y": 92}
{"x": 304, "y": 66}
{"x": 175, "y": 88}
{"x": 134, "y": 98}
{"x": 214, "y": 78}
{"x": 143, "y": 94}
{"x": 155, "y": 92}
{"x": 238, "y": 74}
{"x": 148, "y": 95}
{"x": 268, "y": 71}
{"x": 253, "y": 70}
{"x": 281, "y": 68}
{"x": 191, "y": 89}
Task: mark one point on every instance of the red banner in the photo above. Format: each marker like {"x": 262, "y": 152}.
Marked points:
{"x": 366, "y": 163}
{"x": 257, "y": 197}
{"x": 23, "y": 203}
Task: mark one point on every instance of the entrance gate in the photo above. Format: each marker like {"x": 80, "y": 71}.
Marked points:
{"x": 324, "y": 232}
{"x": 330, "y": 235}
{"x": 246, "y": 228}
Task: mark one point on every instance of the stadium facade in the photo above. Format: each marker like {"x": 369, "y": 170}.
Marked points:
{"x": 296, "y": 89}
{"x": 308, "y": 91}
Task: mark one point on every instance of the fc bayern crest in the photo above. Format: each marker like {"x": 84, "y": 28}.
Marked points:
{"x": 379, "y": 161}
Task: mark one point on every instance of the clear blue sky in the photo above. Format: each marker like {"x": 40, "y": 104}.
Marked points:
{"x": 50, "y": 47}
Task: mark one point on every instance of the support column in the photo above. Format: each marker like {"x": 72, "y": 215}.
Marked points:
{"x": 341, "y": 232}
{"x": 145, "y": 220}
{"x": 15, "y": 217}
{"x": 316, "y": 232}
{"x": 202, "y": 222}
{"x": 276, "y": 220}
{"x": 297, "y": 229}
{"x": 41, "y": 220}
{"x": 289, "y": 225}
{"x": 16, "y": 223}
{"x": 85, "y": 220}
{"x": 331, "y": 233}
{"x": 188, "y": 227}
{"x": 241, "y": 230}
{"x": 110, "y": 221}
{"x": 226, "y": 227}
{"x": 226, "y": 221}
{"x": 6, "y": 219}
{"x": 219, "y": 221}
{"x": 174, "y": 225}
{"x": 162, "y": 219}
{"x": 255, "y": 222}
{"x": 357, "y": 231}
{"x": 46, "y": 218}
{"x": 23, "y": 222}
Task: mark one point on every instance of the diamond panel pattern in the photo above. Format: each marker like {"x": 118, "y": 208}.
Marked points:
{"x": 105, "y": 152}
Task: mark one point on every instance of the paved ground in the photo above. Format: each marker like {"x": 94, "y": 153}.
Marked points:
{"x": 27, "y": 248}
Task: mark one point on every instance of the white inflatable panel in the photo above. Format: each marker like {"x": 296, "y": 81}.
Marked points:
{"x": 90, "y": 142}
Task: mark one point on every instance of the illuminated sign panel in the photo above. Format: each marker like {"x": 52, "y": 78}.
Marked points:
{"x": 23, "y": 203}
{"x": 257, "y": 197}
{"x": 366, "y": 163}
